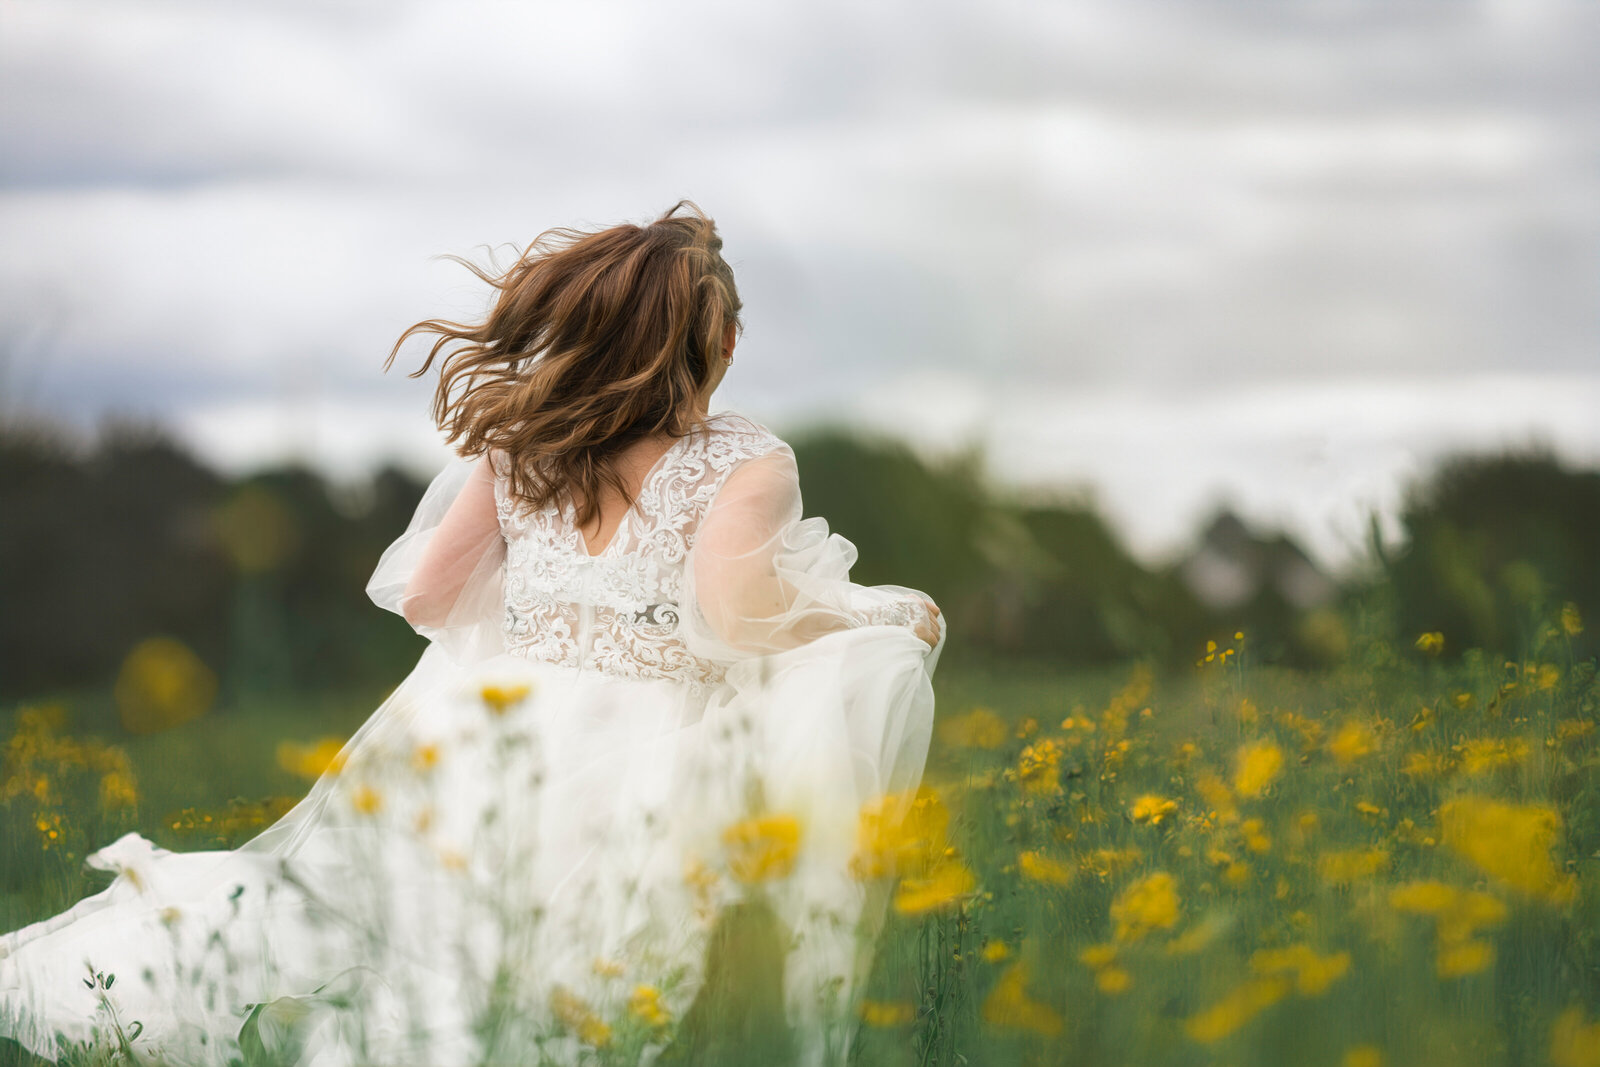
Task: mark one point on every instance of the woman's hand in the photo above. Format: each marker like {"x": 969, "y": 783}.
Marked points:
{"x": 928, "y": 629}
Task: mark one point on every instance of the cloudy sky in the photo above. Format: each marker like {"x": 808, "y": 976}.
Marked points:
{"x": 1280, "y": 255}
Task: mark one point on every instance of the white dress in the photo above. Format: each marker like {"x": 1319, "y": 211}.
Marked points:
{"x": 527, "y": 845}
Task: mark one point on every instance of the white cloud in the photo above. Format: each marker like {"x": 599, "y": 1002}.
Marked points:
{"x": 218, "y": 210}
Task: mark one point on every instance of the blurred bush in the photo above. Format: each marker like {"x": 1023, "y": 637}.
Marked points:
{"x": 261, "y": 580}
{"x": 1495, "y": 547}
{"x": 162, "y": 684}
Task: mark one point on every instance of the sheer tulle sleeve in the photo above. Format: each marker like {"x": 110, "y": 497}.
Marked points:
{"x": 761, "y": 579}
{"x": 444, "y": 574}
{"x": 827, "y": 707}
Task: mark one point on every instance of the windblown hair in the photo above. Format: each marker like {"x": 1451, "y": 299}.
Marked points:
{"x": 596, "y": 340}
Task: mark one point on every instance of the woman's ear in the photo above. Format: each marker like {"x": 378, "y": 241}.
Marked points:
{"x": 729, "y": 336}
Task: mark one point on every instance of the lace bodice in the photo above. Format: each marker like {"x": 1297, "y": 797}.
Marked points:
{"x": 618, "y": 611}
{"x": 714, "y": 565}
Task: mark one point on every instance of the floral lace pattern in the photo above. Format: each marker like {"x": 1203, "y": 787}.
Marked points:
{"x": 911, "y": 614}
{"x": 617, "y": 611}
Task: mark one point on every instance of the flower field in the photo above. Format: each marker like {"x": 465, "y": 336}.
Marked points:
{"x": 1391, "y": 862}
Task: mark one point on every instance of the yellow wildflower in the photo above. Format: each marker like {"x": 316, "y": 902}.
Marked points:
{"x": 502, "y": 698}
{"x": 894, "y": 837}
{"x": 1549, "y": 676}
{"x": 1038, "y": 767}
{"x": 946, "y": 884}
{"x": 702, "y": 882}
{"x": 1362, "y": 1056}
{"x": 1431, "y": 643}
{"x": 594, "y": 1031}
{"x": 1218, "y": 797}
{"x": 1114, "y": 720}
{"x": 1571, "y": 620}
{"x": 1424, "y": 898}
{"x": 367, "y": 800}
{"x": 1233, "y": 1011}
{"x": 1482, "y": 755}
{"x": 572, "y": 1012}
{"x": 1312, "y": 973}
{"x": 1008, "y": 1005}
{"x": 1509, "y": 842}
{"x": 1424, "y": 765}
{"x": 645, "y": 1005}
{"x": 1149, "y": 904}
{"x": 1109, "y": 862}
{"x": 1574, "y": 1042}
{"x": 1459, "y": 914}
{"x": 1351, "y": 865}
{"x": 1042, "y": 868}
{"x": 1256, "y": 838}
{"x": 1256, "y": 765}
{"x": 1116, "y": 753}
{"x": 1574, "y": 729}
{"x": 1198, "y": 937}
{"x": 887, "y": 1013}
{"x": 1309, "y": 729}
{"x": 325, "y": 756}
{"x": 1112, "y": 980}
{"x": 161, "y": 684}
{"x": 978, "y": 728}
{"x": 1109, "y": 978}
{"x": 762, "y": 848}
{"x": 1098, "y": 956}
{"x": 1152, "y": 809}
{"x": 117, "y": 790}
{"x": 1353, "y": 741}
{"x": 1459, "y": 958}
{"x": 995, "y": 951}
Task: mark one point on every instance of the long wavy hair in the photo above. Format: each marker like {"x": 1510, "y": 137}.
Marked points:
{"x": 596, "y": 340}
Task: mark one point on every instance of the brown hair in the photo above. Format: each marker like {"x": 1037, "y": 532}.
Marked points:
{"x": 597, "y": 340}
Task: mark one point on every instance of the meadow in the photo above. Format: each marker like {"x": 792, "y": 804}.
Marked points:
{"x": 1393, "y": 861}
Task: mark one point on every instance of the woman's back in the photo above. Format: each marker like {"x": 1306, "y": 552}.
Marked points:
{"x": 619, "y": 609}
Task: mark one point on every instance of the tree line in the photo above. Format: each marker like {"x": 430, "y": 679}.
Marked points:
{"x": 262, "y": 577}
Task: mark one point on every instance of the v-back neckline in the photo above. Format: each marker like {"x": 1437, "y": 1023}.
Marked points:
{"x": 571, "y": 512}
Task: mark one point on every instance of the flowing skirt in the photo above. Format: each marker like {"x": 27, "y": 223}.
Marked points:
{"x": 515, "y": 861}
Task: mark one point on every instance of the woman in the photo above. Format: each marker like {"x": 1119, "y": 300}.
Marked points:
{"x": 652, "y": 700}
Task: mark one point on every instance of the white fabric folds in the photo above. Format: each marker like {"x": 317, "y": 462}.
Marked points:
{"x": 522, "y": 853}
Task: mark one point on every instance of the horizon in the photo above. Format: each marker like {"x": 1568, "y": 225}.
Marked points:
{"x": 229, "y": 443}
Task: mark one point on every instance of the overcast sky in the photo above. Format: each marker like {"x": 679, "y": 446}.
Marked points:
{"x": 1278, "y": 254}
